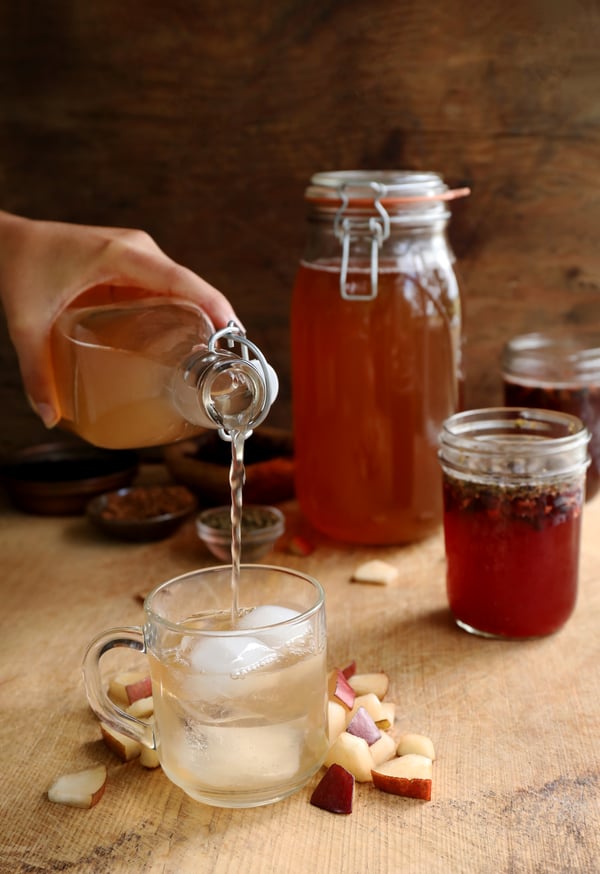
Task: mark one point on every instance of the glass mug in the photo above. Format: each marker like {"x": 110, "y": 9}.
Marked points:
{"x": 240, "y": 712}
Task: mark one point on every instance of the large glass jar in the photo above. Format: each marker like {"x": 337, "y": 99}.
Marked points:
{"x": 376, "y": 354}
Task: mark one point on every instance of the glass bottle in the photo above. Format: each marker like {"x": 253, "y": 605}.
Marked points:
{"x": 558, "y": 370}
{"x": 376, "y": 354}
{"x": 146, "y": 372}
{"x": 513, "y": 485}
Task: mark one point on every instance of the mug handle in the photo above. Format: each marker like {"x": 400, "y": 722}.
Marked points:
{"x": 107, "y": 712}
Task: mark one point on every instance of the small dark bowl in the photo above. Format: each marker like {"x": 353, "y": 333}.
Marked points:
{"x": 142, "y": 513}
{"x": 58, "y": 479}
{"x": 261, "y": 527}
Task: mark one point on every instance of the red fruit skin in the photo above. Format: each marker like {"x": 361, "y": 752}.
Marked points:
{"x": 342, "y": 690}
{"x": 335, "y": 790}
{"x": 417, "y": 788}
{"x": 362, "y": 725}
{"x": 300, "y": 546}
{"x": 140, "y": 689}
{"x": 349, "y": 670}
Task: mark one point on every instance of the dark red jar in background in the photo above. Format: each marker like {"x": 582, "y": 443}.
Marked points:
{"x": 558, "y": 371}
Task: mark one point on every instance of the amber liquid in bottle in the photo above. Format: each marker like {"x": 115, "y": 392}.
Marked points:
{"x": 373, "y": 382}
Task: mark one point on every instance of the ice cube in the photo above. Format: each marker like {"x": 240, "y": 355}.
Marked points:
{"x": 247, "y": 758}
{"x": 230, "y": 655}
{"x": 266, "y": 618}
{"x": 267, "y": 614}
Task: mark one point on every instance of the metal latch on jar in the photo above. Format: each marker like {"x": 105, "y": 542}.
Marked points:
{"x": 375, "y": 228}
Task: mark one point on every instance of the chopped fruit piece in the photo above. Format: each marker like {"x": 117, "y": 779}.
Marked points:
{"x": 80, "y": 789}
{"x": 336, "y": 720}
{"x": 353, "y": 754}
{"x": 362, "y": 725}
{"x": 349, "y": 670}
{"x": 372, "y": 705}
{"x": 129, "y": 686}
{"x": 149, "y": 758}
{"x": 383, "y": 749}
{"x": 416, "y": 743}
{"x": 340, "y": 689}
{"x": 375, "y": 571}
{"x": 300, "y": 546}
{"x": 335, "y": 791}
{"x": 408, "y": 775}
{"x": 365, "y": 683}
{"x": 126, "y": 748}
{"x": 388, "y": 713}
{"x": 142, "y": 708}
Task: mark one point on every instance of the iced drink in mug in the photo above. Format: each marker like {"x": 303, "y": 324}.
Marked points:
{"x": 239, "y": 699}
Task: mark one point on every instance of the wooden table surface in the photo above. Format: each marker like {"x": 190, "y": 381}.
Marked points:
{"x": 516, "y": 725}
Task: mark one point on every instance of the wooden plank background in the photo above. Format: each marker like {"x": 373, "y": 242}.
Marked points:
{"x": 202, "y": 122}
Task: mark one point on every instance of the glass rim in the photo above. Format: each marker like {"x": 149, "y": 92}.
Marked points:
{"x": 460, "y": 431}
{"x": 576, "y": 351}
{"x": 158, "y": 619}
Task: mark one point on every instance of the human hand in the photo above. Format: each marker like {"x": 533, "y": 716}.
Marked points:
{"x": 44, "y": 266}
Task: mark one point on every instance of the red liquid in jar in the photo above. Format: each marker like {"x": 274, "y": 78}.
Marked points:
{"x": 581, "y": 401}
{"x": 512, "y": 556}
{"x": 373, "y": 382}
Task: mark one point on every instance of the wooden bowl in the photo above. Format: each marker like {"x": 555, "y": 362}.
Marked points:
{"x": 142, "y": 513}
{"x": 202, "y": 464}
{"x": 58, "y": 479}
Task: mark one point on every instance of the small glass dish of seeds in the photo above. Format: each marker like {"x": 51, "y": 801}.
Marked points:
{"x": 261, "y": 527}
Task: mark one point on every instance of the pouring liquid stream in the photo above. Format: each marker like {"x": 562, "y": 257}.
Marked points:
{"x": 236, "y": 481}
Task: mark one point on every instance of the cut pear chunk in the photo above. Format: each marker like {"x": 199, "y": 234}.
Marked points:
{"x": 409, "y": 776}
{"x": 377, "y": 682}
{"x": 376, "y": 572}
{"x": 125, "y": 747}
{"x": 416, "y": 743}
{"x": 79, "y": 789}
{"x": 335, "y": 790}
{"x": 353, "y": 754}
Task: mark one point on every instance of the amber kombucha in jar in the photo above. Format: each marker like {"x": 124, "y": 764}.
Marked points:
{"x": 376, "y": 354}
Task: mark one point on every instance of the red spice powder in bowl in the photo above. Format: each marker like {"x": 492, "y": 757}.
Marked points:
{"x": 142, "y": 513}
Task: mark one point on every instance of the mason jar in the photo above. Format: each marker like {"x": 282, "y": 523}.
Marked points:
{"x": 376, "y": 331}
{"x": 513, "y": 487}
{"x": 558, "y": 370}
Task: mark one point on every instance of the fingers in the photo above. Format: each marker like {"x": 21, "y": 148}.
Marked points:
{"x": 145, "y": 268}
{"x": 36, "y": 373}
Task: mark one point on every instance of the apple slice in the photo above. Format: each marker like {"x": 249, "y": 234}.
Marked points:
{"x": 336, "y": 720}
{"x": 409, "y": 776}
{"x": 353, "y": 754}
{"x": 383, "y": 749}
{"x": 363, "y": 725}
{"x": 129, "y": 686}
{"x": 149, "y": 757}
{"x": 340, "y": 689}
{"x": 126, "y": 748}
{"x": 142, "y": 708}
{"x": 378, "y": 683}
{"x": 376, "y": 571}
{"x": 335, "y": 791}
{"x": 79, "y": 789}
{"x": 416, "y": 743}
